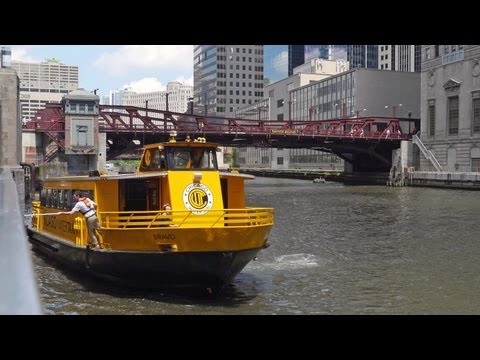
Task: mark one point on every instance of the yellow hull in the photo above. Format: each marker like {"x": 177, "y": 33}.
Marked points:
{"x": 232, "y": 230}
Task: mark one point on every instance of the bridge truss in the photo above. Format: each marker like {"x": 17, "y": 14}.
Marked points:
{"x": 129, "y": 127}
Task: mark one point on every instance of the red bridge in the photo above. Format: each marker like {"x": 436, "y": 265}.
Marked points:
{"x": 367, "y": 142}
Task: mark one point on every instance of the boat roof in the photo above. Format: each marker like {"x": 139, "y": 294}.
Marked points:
{"x": 131, "y": 176}
{"x": 182, "y": 143}
{"x": 245, "y": 176}
{"x": 155, "y": 174}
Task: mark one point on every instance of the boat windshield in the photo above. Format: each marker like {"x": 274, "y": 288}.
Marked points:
{"x": 153, "y": 159}
{"x": 183, "y": 158}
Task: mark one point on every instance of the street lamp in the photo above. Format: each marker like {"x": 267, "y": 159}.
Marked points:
{"x": 394, "y": 108}
{"x": 358, "y": 112}
{"x": 290, "y": 108}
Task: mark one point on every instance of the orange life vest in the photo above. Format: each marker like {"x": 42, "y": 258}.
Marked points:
{"x": 87, "y": 202}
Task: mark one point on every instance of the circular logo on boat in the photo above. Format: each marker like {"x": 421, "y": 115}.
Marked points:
{"x": 197, "y": 198}
{"x": 148, "y": 157}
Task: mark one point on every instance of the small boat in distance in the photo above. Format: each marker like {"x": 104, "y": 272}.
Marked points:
{"x": 178, "y": 222}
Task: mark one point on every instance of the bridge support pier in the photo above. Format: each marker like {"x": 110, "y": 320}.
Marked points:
{"x": 402, "y": 161}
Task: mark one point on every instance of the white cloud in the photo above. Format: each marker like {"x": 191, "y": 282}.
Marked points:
{"x": 184, "y": 80}
{"x": 145, "y": 85}
{"x": 280, "y": 62}
{"x": 146, "y": 57}
{"x": 20, "y": 54}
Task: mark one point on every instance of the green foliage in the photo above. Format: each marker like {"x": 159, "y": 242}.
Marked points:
{"x": 125, "y": 163}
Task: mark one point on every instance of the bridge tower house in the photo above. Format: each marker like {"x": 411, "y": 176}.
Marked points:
{"x": 84, "y": 148}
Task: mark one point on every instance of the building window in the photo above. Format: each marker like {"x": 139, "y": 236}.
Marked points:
{"x": 280, "y": 160}
{"x": 427, "y": 54}
{"x": 453, "y": 115}
{"x": 476, "y": 115}
{"x": 279, "y": 103}
{"x": 431, "y": 119}
{"x": 280, "y": 117}
{"x": 475, "y": 164}
{"x": 265, "y": 160}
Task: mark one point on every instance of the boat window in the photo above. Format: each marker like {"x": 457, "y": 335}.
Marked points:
{"x": 68, "y": 199}
{"x": 153, "y": 159}
{"x": 43, "y": 197}
{"x": 64, "y": 199}
{"x": 55, "y": 198}
{"x": 61, "y": 198}
{"x": 192, "y": 158}
{"x": 48, "y": 203}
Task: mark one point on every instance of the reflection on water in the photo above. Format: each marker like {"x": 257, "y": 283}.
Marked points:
{"x": 334, "y": 250}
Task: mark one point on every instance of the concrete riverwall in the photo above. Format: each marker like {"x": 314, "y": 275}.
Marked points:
{"x": 450, "y": 180}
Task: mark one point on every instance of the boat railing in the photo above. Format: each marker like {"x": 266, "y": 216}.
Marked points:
{"x": 80, "y": 230}
{"x": 186, "y": 219}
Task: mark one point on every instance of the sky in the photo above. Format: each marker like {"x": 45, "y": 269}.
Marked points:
{"x": 144, "y": 68}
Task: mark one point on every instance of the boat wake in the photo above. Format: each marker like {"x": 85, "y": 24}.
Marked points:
{"x": 289, "y": 262}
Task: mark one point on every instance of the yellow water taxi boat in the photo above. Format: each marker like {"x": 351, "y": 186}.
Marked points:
{"x": 177, "y": 222}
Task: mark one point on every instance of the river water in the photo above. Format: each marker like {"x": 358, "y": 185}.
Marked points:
{"x": 335, "y": 249}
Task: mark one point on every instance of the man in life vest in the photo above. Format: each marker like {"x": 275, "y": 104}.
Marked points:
{"x": 86, "y": 206}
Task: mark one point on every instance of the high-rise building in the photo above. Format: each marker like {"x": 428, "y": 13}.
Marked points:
{"x": 114, "y": 97}
{"x": 363, "y": 56}
{"x": 226, "y": 77}
{"x": 5, "y": 57}
{"x": 279, "y": 61}
{"x": 450, "y": 107}
{"x": 399, "y": 57}
{"x": 177, "y": 92}
{"x": 296, "y": 57}
{"x": 327, "y": 52}
{"x": 41, "y": 83}
{"x": 359, "y": 56}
